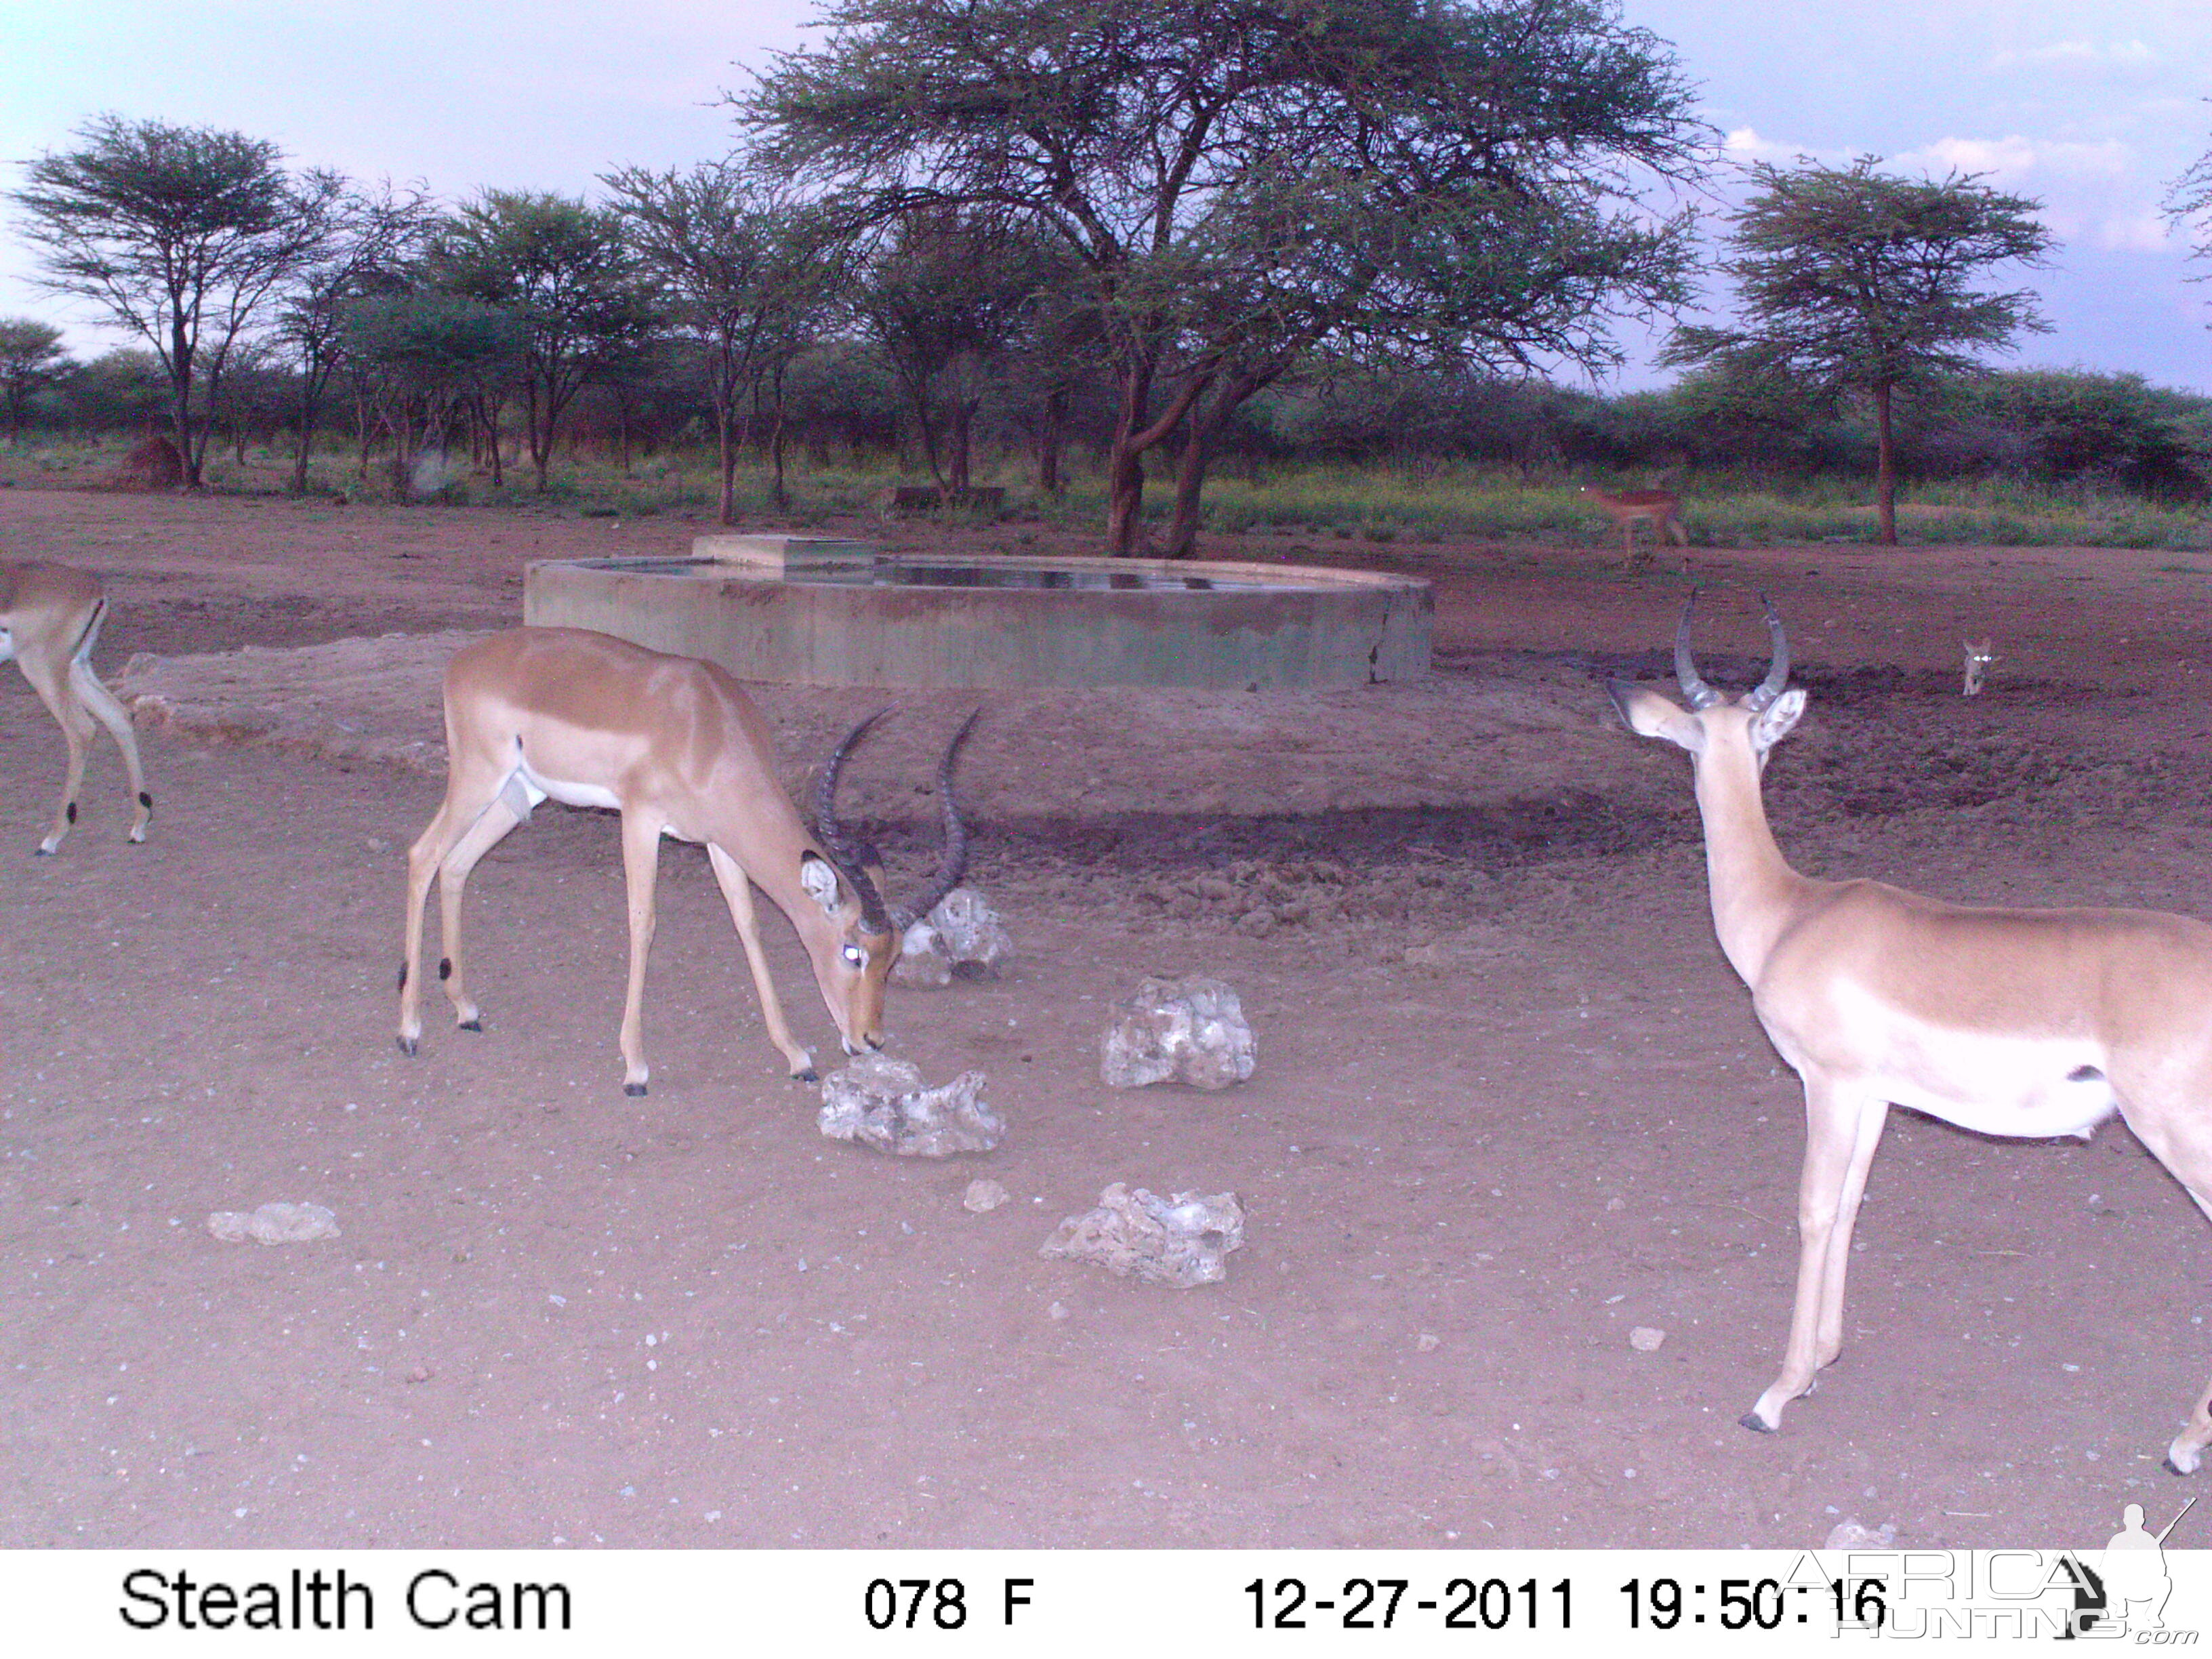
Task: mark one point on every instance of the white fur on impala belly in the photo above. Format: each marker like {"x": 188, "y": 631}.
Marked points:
{"x": 569, "y": 794}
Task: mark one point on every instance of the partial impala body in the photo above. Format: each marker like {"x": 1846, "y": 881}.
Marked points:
{"x": 1627, "y": 507}
{"x": 675, "y": 747}
{"x": 50, "y": 617}
{"x": 2027, "y": 1023}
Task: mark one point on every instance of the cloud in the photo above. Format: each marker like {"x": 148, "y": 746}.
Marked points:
{"x": 2015, "y": 159}
{"x": 2078, "y": 55}
{"x": 2138, "y": 233}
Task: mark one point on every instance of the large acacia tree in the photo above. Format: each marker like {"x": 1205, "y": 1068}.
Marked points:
{"x": 183, "y": 235}
{"x": 1243, "y": 184}
{"x": 1856, "y": 283}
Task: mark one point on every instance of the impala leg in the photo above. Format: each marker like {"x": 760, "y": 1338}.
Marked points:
{"x": 2186, "y": 1454}
{"x": 492, "y": 825}
{"x": 1831, "y": 1138}
{"x": 112, "y": 714}
{"x": 2173, "y": 1138}
{"x": 423, "y": 858}
{"x": 738, "y": 890}
{"x": 1872, "y": 1116}
{"x": 50, "y": 679}
{"x": 641, "y": 843}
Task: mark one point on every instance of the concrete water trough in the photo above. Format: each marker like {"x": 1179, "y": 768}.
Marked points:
{"x": 817, "y": 612}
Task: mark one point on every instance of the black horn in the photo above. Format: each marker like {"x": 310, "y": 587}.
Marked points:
{"x": 850, "y": 857}
{"x": 1777, "y": 671}
{"x": 954, "y": 863}
{"x": 1700, "y": 695}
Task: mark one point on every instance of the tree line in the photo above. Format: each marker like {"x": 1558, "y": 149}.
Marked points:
{"x": 1176, "y": 230}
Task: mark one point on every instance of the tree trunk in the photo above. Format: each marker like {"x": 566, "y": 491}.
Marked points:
{"x": 1190, "y": 484}
{"x": 775, "y": 446}
{"x": 1048, "y": 434}
{"x": 726, "y": 462}
{"x": 963, "y": 425}
{"x": 307, "y": 415}
{"x": 1125, "y": 467}
{"x": 1885, "y": 473}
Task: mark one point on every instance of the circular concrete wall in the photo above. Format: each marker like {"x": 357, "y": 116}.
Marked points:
{"x": 930, "y": 621}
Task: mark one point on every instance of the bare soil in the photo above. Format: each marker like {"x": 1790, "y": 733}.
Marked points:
{"x": 1511, "y": 1104}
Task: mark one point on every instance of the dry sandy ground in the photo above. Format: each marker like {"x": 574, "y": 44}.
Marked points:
{"x": 1510, "y": 1101}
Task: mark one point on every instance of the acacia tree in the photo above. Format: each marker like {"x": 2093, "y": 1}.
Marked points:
{"x": 31, "y": 356}
{"x": 1242, "y": 184}
{"x": 183, "y": 235}
{"x": 563, "y": 271}
{"x": 948, "y": 299}
{"x": 1855, "y": 283}
{"x": 375, "y": 234}
{"x": 741, "y": 269}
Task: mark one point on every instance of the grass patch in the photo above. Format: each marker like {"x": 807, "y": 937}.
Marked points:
{"x": 1326, "y": 506}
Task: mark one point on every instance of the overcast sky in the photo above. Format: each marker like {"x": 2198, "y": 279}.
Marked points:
{"x": 2092, "y": 108}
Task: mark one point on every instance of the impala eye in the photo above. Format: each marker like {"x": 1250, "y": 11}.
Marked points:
{"x": 854, "y": 956}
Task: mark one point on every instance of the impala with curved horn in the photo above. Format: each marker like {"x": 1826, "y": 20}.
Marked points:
{"x": 50, "y": 617}
{"x": 2008, "y": 1021}
{"x": 675, "y": 746}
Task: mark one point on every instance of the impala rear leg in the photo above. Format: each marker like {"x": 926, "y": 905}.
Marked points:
{"x": 49, "y": 678}
{"x": 738, "y": 890}
{"x": 1841, "y": 1129}
{"x": 111, "y": 713}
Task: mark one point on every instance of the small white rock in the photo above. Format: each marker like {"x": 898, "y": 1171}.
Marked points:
{"x": 1645, "y": 1339}
{"x": 1428, "y": 1341}
{"x": 275, "y": 1224}
{"x": 982, "y": 1197}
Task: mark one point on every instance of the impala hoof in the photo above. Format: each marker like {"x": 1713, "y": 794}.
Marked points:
{"x": 809, "y": 1075}
{"x": 633, "y": 1089}
{"x": 1757, "y": 1424}
{"x": 472, "y": 1025}
{"x": 408, "y": 1047}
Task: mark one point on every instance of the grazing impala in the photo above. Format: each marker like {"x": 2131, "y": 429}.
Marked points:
{"x": 676, "y": 748}
{"x": 2028, "y": 1023}
{"x": 1657, "y": 507}
{"x": 50, "y": 617}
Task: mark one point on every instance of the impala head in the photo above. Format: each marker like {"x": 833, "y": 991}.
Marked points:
{"x": 852, "y": 935}
{"x": 1714, "y": 724}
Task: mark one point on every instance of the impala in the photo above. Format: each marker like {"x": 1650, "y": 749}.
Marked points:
{"x": 675, "y": 746}
{"x": 2008, "y": 1021}
{"x": 1657, "y": 507}
{"x": 50, "y": 617}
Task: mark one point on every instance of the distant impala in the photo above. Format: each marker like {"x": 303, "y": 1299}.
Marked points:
{"x": 1657, "y": 508}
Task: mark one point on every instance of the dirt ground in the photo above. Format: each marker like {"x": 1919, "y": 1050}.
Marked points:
{"x": 1511, "y": 1101}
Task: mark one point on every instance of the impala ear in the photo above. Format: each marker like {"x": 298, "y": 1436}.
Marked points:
{"x": 1650, "y": 714}
{"x": 1776, "y": 721}
{"x": 818, "y": 876}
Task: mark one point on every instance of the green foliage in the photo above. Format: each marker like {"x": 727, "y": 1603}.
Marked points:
{"x": 1245, "y": 186}
{"x": 181, "y": 235}
{"x": 1857, "y": 283}
{"x": 563, "y": 271}
{"x": 31, "y": 358}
